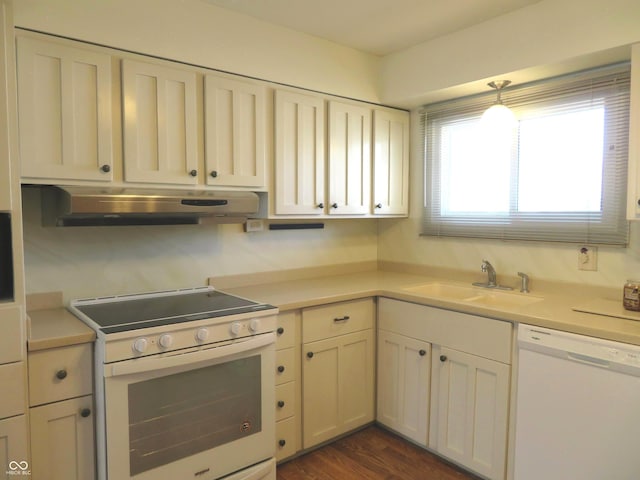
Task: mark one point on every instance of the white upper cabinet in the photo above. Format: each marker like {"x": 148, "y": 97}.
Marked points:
{"x": 390, "y": 163}
{"x": 64, "y": 99}
{"x": 349, "y": 161}
{"x": 299, "y": 154}
{"x": 633, "y": 188}
{"x": 160, "y": 124}
{"x": 234, "y": 132}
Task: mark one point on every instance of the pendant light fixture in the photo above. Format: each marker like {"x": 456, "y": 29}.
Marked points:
{"x": 498, "y": 115}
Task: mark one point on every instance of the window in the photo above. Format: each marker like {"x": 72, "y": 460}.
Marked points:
{"x": 558, "y": 175}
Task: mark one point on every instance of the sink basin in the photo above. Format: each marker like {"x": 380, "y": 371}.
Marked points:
{"x": 444, "y": 290}
{"x": 474, "y": 295}
{"x": 495, "y": 299}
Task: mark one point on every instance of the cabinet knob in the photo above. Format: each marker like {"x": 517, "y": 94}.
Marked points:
{"x": 280, "y": 330}
{"x": 341, "y": 319}
{"x": 213, "y": 173}
{"x": 280, "y": 403}
{"x": 282, "y": 442}
{"x": 281, "y": 368}
{"x": 85, "y": 412}
{"x": 61, "y": 374}
{"x": 334, "y": 205}
{"x": 321, "y": 205}
{"x": 443, "y": 358}
{"x": 309, "y": 354}
{"x": 193, "y": 173}
{"x": 422, "y": 353}
{"x": 639, "y": 201}
{"x": 105, "y": 168}
{"x": 378, "y": 205}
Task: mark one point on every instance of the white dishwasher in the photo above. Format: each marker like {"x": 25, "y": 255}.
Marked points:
{"x": 577, "y": 407}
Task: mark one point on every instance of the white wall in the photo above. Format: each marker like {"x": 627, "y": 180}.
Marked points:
{"x": 197, "y": 32}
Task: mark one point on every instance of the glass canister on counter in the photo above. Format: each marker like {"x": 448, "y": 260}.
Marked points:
{"x": 631, "y": 295}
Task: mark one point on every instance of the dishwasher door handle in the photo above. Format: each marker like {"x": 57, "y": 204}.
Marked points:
{"x": 597, "y": 362}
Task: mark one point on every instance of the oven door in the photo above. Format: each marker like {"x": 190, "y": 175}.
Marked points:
{"x": 201, "y": 413}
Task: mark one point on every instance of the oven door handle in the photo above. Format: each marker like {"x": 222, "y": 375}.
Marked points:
{"x": 159, "y": 362}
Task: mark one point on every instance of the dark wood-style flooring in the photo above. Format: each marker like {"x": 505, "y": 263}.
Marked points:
{"x": 370, "y": 454}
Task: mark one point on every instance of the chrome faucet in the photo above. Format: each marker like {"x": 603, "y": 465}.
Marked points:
{"x": 491, "y": 282}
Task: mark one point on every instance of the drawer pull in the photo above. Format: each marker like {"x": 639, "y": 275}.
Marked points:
{"x": 281, "y": 368}
{"x": 443, "y": 358}
{"x": 422, "y": 353}
{"x": 309, "y": 354}
{"x": 61, "y": 374}
{"x": 282, "y": 442}
{"x": 341, "y": 319}
{"x": 280, "y": 403}
{"x": 85, "y": 412}
{"x": 280, "y": 330}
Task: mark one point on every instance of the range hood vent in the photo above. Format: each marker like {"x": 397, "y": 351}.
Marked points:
{"x": 89, "y": 206}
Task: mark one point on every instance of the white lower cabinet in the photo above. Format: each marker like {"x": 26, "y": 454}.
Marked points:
{"x": 14, "y": 459}
{"x": 404, "y": 370}
{"x": 469, "y": 374}
{"x": 62, "y": 440}
{"x": 337, "y": 369}
{"x": 472, "y": 411}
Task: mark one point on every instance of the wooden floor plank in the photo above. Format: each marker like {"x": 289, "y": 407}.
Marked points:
{"x": 371, "y": 454}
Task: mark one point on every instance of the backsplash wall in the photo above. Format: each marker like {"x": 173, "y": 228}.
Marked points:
{"x": 90, "y": 261}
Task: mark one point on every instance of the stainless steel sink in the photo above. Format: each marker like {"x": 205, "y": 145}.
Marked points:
{"x": 474, "y": 295}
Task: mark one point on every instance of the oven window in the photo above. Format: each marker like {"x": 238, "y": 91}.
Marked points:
{"x": 179, "y": 415}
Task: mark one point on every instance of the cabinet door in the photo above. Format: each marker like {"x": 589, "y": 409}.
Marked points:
{"x": 349, "y": 159}
{"x": 337, "y": 386}
{"x": 64, "y": 104}
{"x": 300, "y": 157}
{"x": 234, "y": 132}
{"x": 14, "y": 460}
{"x": 160, "y": 124}
{"x": 404, "y": 366}
{"x": 62, "y": 440}
{"x": 473, "y": 402}
{"x": 390, "y": 163}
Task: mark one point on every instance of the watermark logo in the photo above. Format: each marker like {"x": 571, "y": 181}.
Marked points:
{"x": 18, "y": 468}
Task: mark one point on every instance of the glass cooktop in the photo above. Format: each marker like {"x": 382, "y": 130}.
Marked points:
{"x": 133, "y": 312}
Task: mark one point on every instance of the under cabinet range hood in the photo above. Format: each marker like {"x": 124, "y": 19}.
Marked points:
{"x": 67, "y": 206}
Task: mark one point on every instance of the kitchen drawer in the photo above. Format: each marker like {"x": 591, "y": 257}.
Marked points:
{"x": 336, "y": 319}
{"x": 286, "y": 332}
{"x": 286, "y": 438}
{"x": 12, "y": 398}
{"x": 11, "y": 340}
{"x": 285, "y": 365}
{"x": 60, "y": 373}
{"x": 285, "y": 400}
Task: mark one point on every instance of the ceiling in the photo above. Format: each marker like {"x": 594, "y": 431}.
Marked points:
{"x": 379, "y": 27}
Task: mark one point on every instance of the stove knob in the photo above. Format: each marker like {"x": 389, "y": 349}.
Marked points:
{"x": 202, "y": 334}
{"x": 165, "y": 341}
{"x": 140, "y": 345}
{"x": 235, "y": 328}
{"x": 254, "y": 325}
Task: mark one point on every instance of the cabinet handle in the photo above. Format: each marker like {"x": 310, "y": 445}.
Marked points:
{"x": 282, "y": 443}
{"x": 309, "y": 354}
{"x": 280, "y": 330}
{"x": 443, "y": 358}
{"x": 341, "y": 319}
{"x": 422, "y": 353}
{"x": 214, "y": 174}
{"x": 281, "y": 368}
{"x": 193, "y": 173}
{"x": 639, "y": 201}
{"x": 378, "y": 205}
{"x": 334, "y": 205}
{"x": 321, "y": 205}
{"x": 85, "y": 412}
{"x": 105, "y": 168}
{"x": 280, "y": 403}
{"x": 61, "y": 374}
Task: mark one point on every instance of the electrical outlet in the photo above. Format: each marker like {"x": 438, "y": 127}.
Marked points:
{"x": 253, "y": 225}
{"x": 588, "y": 258}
